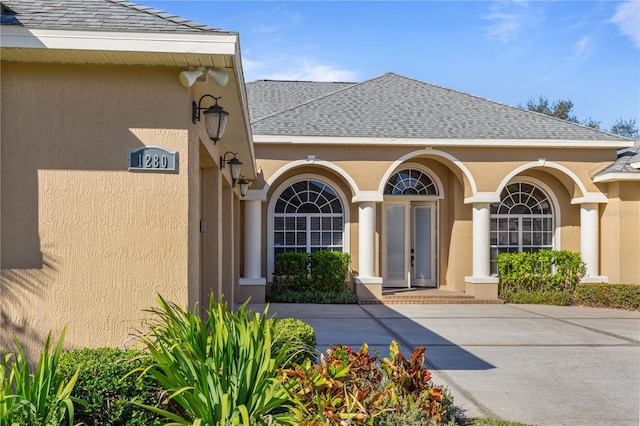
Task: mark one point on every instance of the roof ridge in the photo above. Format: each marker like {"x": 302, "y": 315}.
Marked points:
{"x": 163, "y": 15}
{"x": 509, "y": 106}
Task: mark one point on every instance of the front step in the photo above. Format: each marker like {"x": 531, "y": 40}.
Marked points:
{"x": 427, "y": 297}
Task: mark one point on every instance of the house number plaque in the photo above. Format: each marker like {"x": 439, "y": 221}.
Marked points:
{"x": 153, "y": 159}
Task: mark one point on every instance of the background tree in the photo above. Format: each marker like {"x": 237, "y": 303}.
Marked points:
{"x": 562, "y": 109}
{"x": 626, "y": 128}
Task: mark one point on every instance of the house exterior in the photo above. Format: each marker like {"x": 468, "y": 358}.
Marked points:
{"x": 88, "y": 241}
{"x": 111, "y": 191}
{"x": 424, "y": 185}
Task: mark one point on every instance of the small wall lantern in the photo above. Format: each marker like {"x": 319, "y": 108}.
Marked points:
{"x": 244, "y": 186}
{"x": 234, "y": 164}
{"x": 215, "y": 118}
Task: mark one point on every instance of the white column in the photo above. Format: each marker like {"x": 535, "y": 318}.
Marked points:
{"x": 252, "y": 239}
{"x": 481, "y": 241}
{"x": 366, "y": 240}
{"x": 590, "y": 241}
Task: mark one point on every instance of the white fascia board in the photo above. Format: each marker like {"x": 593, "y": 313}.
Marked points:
{"x": 164, "y": 42}
{"x": 479, "y": 143}
{"x": 613, "y": 177}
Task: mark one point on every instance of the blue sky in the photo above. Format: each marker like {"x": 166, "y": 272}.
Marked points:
{"x": 507, "y": 51}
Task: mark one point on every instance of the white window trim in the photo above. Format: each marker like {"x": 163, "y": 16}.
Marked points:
{"x": 417, "y": 166}
{"x": 346, "y": 234}
{"x": 555, "y": 205}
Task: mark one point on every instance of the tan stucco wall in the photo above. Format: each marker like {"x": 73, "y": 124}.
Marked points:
{"x": 556, "y": 169}
{"x": 85, "y": 243}
{"x": 620, "y": 233}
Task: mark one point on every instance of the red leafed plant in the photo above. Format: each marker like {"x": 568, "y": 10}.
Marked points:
{"x": 355, "y": 388}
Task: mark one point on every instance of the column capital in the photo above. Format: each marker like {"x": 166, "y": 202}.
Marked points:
{"x": 255, "y": 195}
{"x": 367, "y": 197}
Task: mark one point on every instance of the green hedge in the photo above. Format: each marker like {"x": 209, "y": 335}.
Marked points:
{"x": 102, "y": 385}
{"x": 542, "y": 271}
{"x": 626, "y": 296}
{"x": 319, "y": 277}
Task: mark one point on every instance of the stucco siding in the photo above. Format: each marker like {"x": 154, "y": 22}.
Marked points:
{"x": 620, "y": 233}
{"x": 86, "y": 243}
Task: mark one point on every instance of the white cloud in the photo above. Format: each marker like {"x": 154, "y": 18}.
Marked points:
{"x": 286, "y": 68}
{"x": 313, "y": 72}
{"x": 627, "y": 19}
{"x": 583, "y": 49}
{"x": 508, "y": 18}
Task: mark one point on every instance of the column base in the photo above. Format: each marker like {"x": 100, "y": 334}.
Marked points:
{"x": 252, "y": 288}
{"x": 482, "y": 288}
{"x": 594, "y": 280}
{"x": 368, "y": 288}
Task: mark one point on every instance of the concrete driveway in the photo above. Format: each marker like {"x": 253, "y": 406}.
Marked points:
{"x": 540, "y": 365}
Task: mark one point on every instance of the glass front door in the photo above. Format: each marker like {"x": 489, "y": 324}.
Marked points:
{"x": 410, "y": 244}
{"x": 423, "y": 245}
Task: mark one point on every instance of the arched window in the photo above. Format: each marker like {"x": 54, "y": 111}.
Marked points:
{"x": 308, "y": 216}
{"x": 521, "y": 221}
{"x": 410, "y": 182}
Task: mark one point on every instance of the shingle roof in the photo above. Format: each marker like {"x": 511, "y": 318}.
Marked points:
{"x": 271, "y": 96}
{"x": 393, "y": 106}
{"x": 627, "y": 162}
{"x": 93, "y": 15}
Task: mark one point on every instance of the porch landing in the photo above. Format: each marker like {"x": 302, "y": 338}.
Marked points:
{"x": 422, "y": 296}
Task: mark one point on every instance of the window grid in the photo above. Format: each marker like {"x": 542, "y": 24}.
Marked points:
{"x": 410, "y": 182}
{"x": 523, "y": 221}
{"x": 308, "y": 217}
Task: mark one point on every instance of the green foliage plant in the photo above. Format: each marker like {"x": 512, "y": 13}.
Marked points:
{"x": 355, "y": 388}
{"x": 219, "y": 370}
{"x": 623, "y": 296}
{"x": 106, "y": 388}
{"x": 297, "y": 337}
{"x": 545, "y": 270}
{"x": 329, "y": 270}
{"x": 320, "y": 277}
{"x": 314, "y": 296}
{"x": 41, "y": 397}
{"x": 557, "y": 298}
{"x": 291, "y": 271}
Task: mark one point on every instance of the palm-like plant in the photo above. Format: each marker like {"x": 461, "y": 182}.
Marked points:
{"x": 219, "y": 370}
{"x": 38, "y": 398}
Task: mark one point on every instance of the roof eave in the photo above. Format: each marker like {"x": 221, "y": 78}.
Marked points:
{"x": 193, "y": 44}
{"x": 443, "y": 142}
{"x": 616, "y": 177}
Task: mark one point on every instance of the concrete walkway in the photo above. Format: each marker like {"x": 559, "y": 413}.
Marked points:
{"x": 540, "y": 365}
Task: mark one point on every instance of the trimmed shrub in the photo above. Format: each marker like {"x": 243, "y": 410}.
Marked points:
{"x": 298, "y": 336}
{"x": 543, "y": 271}
{"x": 625, "y": 296}
{"x": 105, "y": 389}
{"x": 329, "y": 270}
{"x": 314, "y": 296}
{"x": 558, "y": 298}
{"x": 290, "y": 271}
{"x": 320, "y": 277}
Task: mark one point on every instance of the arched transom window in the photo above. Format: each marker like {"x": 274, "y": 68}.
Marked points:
{"x": 308, "y": 217}
{"x": 410, "y": 182}
{"x": 521, "y": 221}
